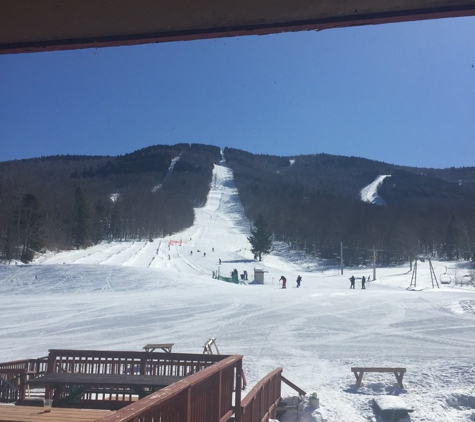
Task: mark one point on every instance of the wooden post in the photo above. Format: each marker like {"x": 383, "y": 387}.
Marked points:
{"x": 23, "y": 385}
{"x": 399, "y": 378}
{"x": 237, "y": 395}
{"x": 359, "y": 378}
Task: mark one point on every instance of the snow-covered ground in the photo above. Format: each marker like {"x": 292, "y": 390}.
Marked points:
{"x": 370, "y": 193}
{"x": 125, "y": 295}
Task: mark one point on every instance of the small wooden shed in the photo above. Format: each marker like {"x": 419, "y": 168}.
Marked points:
{"x": 259, "y": 275}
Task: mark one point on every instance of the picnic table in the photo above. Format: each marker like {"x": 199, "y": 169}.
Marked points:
{"x": 166, "y": 347}
{"x": 79, "y": 383}
{"x": 359, "y": 372}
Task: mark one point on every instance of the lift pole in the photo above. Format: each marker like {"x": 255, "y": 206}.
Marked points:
{"x": 341, "y": 257}
{"x": 374, "y": 264}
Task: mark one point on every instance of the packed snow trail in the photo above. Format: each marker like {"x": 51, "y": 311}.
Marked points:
{"x": 169, "y": 173}
{"x": 123, "y": 295}
{"x": 370, "y": 193}
{"x": 219, "y": 225}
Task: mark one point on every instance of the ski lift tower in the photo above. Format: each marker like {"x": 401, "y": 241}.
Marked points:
{"x": 433, "y": 277}
{"x": 374, "y": 261}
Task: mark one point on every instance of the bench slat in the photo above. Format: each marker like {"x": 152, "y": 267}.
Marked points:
{"x": 378, "y": 369}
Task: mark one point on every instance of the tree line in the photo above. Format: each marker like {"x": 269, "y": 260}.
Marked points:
{"x": 65, "y": 202}
{"x": 313, "y": 204}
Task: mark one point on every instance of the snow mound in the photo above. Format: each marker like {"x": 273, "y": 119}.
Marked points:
{"x": 463, "y": 307}
{"x": 461, "y": 401}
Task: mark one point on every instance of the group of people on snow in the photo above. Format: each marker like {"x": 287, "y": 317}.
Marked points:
{"x": 284, "y": 281}
{"x": 363, "y": 282}
{"x": 352, "y": 281}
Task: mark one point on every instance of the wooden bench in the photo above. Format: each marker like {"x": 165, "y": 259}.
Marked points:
{"x": 359, "y": 372}
{"x": 166, "y": 347}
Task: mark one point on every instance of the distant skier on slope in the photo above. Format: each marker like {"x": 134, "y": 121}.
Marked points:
{"x": 299, "y": 279}
{"x": 284, "y": 282}
{"x": 352, "y": 281}
{"x": 363, "y": 282}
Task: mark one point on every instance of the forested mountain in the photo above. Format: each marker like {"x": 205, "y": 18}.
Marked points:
{"x": 313, "y": 203}
{"x": 62, "y": 202}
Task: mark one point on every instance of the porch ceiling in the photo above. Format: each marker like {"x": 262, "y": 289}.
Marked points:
{"x": 32, "y": 25}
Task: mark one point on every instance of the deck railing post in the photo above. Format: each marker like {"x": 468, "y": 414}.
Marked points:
{"x": 23, "y": 385}
{"x": 220, "y": 391}
{"x": 189, "y": 410}
{"x": 237, "y": 395}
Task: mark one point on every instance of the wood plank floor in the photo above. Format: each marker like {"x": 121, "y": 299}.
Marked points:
{"x": 10, "y": 413}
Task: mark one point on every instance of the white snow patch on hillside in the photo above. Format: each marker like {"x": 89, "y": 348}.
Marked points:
{"x": 370, "y": 193}
{"x": 169, "y": 172}
{"x": 114, "y": 197}
{"x": 123, "y": 295}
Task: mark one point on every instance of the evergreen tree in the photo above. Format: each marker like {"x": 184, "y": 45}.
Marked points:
{"x": 30, "y": 226}
{"x": 81, "y": 225}
{"x": 99, "y": 223}
{"x": 261, "y": 238}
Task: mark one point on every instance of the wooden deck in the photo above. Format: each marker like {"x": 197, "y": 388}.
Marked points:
{"x": 10, "y": 413}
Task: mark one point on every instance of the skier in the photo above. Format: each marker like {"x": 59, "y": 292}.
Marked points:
{"x": 284, "y": 282}
{"x": 352, "y": 280}
{"x": 363, "y": 282}
{"x": 299, "y": 279}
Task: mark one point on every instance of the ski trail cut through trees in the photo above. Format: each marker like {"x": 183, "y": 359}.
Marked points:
{"x": 370, "y": 193}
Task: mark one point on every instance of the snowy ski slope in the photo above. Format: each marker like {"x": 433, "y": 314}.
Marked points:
{"x": 125, "y": 295}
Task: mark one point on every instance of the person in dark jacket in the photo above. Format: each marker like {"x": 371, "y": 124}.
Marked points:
{"x": 299, "y": 279}
{"x": 363, "y": 282}
{"x": 352, "y": 281}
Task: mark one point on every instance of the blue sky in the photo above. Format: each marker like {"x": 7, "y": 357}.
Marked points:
{"x": 400, "y": 93}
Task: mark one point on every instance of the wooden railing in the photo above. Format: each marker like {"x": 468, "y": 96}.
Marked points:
{"x": 261, "y": 402}
{"x": 14, "y": 376}
{"x": 211, "y": 391}
{"x": 126, "y": 363}
{"x": 206, "y": 396}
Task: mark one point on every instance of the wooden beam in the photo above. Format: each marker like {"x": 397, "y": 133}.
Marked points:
{"x": 292, "y": 385}
{"x": 32, "y": 25}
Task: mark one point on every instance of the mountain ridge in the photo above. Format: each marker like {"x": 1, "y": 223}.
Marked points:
{"x": 310, "y": 201}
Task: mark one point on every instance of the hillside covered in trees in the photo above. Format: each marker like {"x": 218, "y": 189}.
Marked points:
{"x": 313, "y": 203}
{"x": 64, "y": 202}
